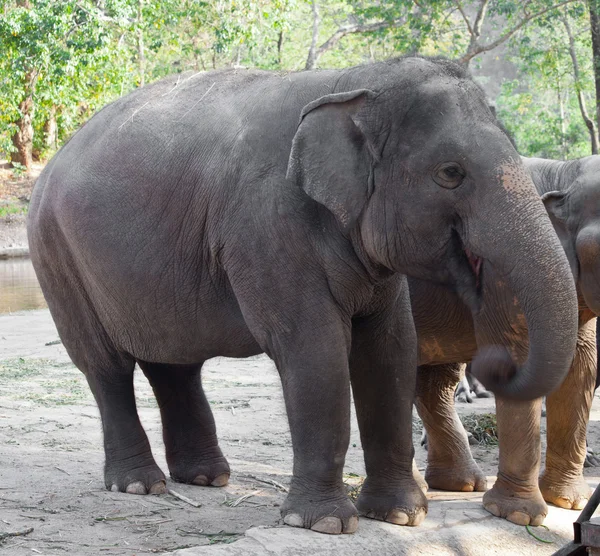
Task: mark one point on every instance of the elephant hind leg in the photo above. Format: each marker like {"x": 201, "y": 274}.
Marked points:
{"x": 129, "y": 464}
{"x": 189, "y": 430}
{"x": 450, "y": 465}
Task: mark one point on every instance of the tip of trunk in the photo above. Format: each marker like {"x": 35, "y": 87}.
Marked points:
{"x": 494, "y": 367}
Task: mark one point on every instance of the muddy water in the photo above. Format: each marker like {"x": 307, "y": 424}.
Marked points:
{"x": 19, "y": 288}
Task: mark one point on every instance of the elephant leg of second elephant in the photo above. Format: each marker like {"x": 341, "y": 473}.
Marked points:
{"x": 450, "y": 465}
{"x": 516, "y": 495}
{"x": 568, "y": 411}
{"x": 189, "y": 430}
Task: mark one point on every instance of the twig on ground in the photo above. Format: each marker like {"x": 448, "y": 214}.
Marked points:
{"x": 237, "y": 502}
{"x": 184, "y": 499}
{"x": 271, "y": 482}
{"x": 116, "y": 518}
{"x": 62, "y": 470}
{"x": 16, "y": 534}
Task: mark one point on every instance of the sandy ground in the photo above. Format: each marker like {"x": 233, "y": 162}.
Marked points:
{"x": 51, "y": 469}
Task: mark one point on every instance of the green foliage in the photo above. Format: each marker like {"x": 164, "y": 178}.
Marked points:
{"x": 540, "y": 108}
{"x": 70, "y": 57}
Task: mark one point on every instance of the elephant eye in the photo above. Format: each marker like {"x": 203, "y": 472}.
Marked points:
{"x": 448, "y": 175}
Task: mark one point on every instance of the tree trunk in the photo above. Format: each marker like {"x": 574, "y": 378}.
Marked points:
{"x": 594, "y": 6}
{"x": 563, "y": 127}
{"x": 23, "y": 138}
{"x": 579, "y": 88}
{"x": 311, "y": 61}
{"x": 279, "y": 45}
{"x": 51, "y": 130}
{"x": 140, "y": 44}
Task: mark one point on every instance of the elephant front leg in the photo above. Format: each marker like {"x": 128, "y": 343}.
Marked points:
{"x": 450, "y": 465}
{"x": 316, "y": 386}
{"x": 383, "y": 380}
{"x": 515, "y": 495}
{"x": 568, "y": 410}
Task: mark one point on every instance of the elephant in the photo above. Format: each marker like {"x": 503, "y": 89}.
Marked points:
{"x": 240, "y": 212}
{"x": 571, "y": 193}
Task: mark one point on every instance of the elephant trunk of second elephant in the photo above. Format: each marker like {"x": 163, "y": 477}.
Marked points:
{"x": 537, "y": 271}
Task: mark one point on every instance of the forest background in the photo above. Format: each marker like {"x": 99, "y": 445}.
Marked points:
{"x": 62, "y": 60}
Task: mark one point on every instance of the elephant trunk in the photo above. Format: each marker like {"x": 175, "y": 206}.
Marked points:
{"x": 528, "y": 256}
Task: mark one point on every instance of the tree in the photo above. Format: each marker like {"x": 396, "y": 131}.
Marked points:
{"x": 45, "y": 44}
{"x": 594, "y": 10}
{"x": 593, "y": 131}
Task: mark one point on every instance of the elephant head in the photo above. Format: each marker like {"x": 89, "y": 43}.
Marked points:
{"x": 423, "y": 180}
{"x": 575, "y": 213}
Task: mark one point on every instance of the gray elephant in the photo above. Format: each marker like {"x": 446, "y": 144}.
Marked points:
{"x": 238, "y": 212}
{"x": 571, "y": 193}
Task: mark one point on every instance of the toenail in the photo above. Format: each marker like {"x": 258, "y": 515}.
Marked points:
{"x": 158, "y": 488}
{"x": 419, "y": 517}
{"x": 493, "y": 509}
{"x": 352, "y": 525}
{"x": 329, "y": 525}
{"x": 136, "y": 488}
{"x": 221, "y": 480}
{"x": 519, "y": 518}
{"x": 397, "y": 516}
{"x": 294, "y": 520}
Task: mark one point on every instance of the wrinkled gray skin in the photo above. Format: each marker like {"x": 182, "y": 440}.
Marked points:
{"x": 571, "y": 193}
{"x": 239, "y": 212}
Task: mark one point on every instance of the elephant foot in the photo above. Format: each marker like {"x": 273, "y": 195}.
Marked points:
{"x": 569, "y": 494}
{"x": 463, "y": 392}
{"x": 332, "y": 516}
{"x": 479, "y": 389}
{"x": 520, "y": 505}
{"x": 405, "y": 504}
{"x": 458, "y": 477}
{"x": 591, "y": 459}
{"x": 143, "y": 478}
{"x": 205, "y": 470}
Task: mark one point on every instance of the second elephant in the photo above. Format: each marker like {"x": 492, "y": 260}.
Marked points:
{"x": 447, "y": 336}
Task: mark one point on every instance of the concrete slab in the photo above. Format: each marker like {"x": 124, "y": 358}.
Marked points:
{"x": 456, "y": 524}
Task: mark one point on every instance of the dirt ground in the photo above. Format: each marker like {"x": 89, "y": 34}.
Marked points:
{"x": 51, "y": 486}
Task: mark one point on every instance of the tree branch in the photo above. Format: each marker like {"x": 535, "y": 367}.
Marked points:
{"x": 475, "y": 48}
{"x": 464, "y": 16}
{"x": 356, "y": 28}
{"x": 481, "y": 12}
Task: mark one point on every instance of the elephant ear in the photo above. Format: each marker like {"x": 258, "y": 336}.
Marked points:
{"x": 556, "y": 206}
{"x": 332, "y": 156}
{"x": 554, "y": 201}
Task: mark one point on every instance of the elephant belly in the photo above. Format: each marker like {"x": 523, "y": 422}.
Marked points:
{"x": 186, "y": 318}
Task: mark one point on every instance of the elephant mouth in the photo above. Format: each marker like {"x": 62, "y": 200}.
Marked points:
{"x": 467, "y": 272}
{"x": 475, "y": 262}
